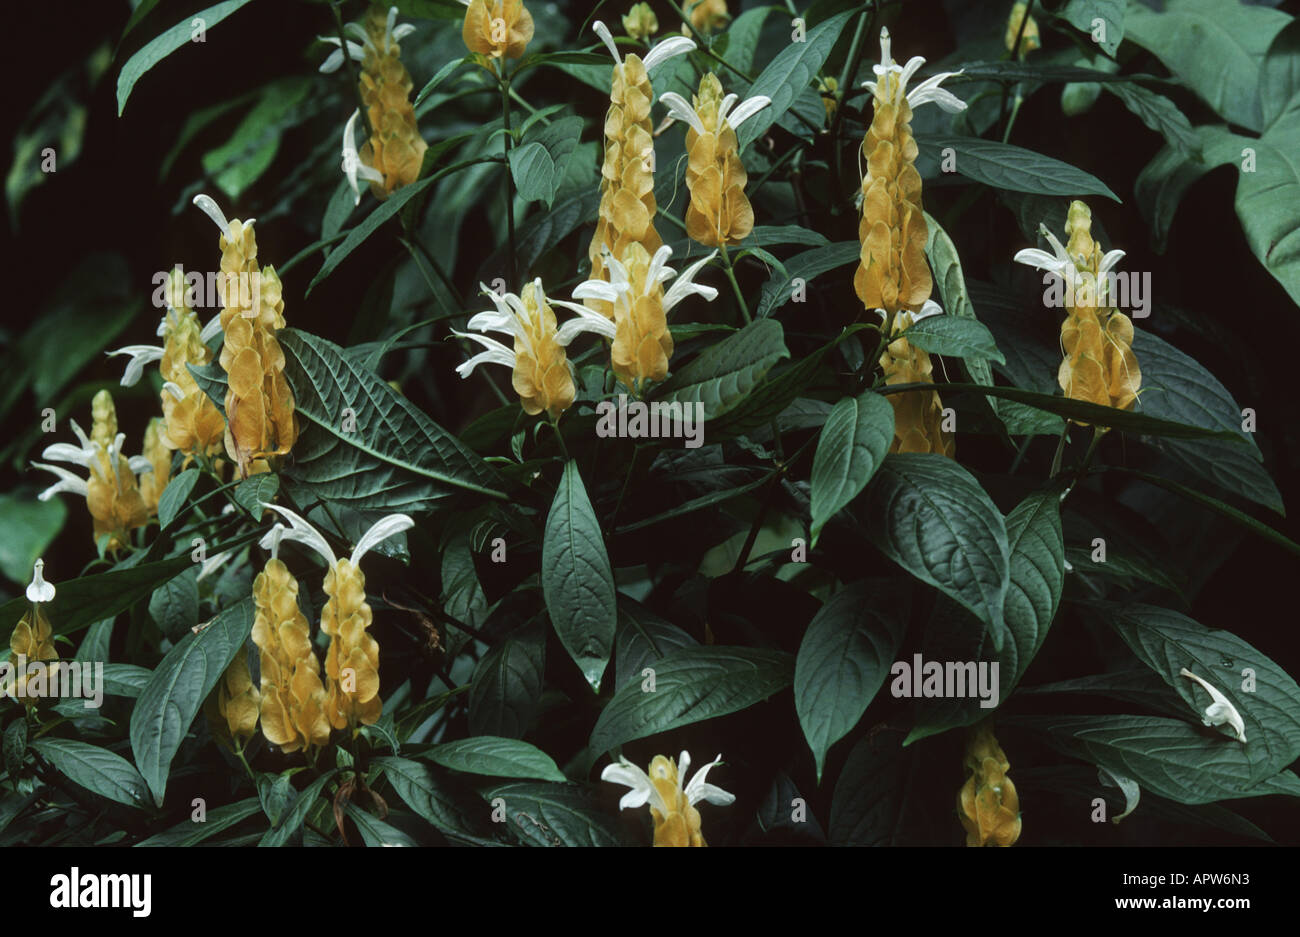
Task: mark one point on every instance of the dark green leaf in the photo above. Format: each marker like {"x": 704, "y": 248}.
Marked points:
{"x": 555, "y": 815}
{"x": 852, "y": 444}
{"x": 97, "y": 770}
{"x": 1004, "y": 166}
{"x": 496, "y": 757}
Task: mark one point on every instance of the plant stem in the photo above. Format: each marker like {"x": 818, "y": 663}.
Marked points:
{"x": 846, "y": 75}
{"x": 510, "y": 195}
{"x": 726, "y": 264}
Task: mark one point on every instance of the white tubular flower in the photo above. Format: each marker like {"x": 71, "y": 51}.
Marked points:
{"x": 352, "y": 164}
{"x": 928, "y": 308}
{"x": 1220, "y": 711}
{"x": 39, "y": 590}
{"x": 211, "y": 330}
{"x": 672, "y": 804}
{"x": 1060, "y": 264}
{"x": 302, "y": 531}
{"x": 84, "y": 455}
{"x": 662, "y": 52}
{"x": 891, "y": 86}
{"x": 174, "y": 389}
{"x": 140, "y": 356}
{"x": 357, "y": 50}
{"x": 680, "y": 109}
{"x": 620, "y": 290}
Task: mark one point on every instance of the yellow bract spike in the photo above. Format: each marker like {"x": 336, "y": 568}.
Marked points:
{"x": 352, "y": 661}
{"x": 988, "y": 804}
{"x": 719, "y": 212}
{"x": 497, "y": 28}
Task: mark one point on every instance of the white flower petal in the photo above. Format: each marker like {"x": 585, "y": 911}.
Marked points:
{"x": 139, "y": 464}
{"x": 67, "y": 452}
{"x": 642, "y": 790}
{"x": 492, "y": 320}
{"x": 303, "y": 532}
{"x": 210, "y": 208}
{"x": 39, "y": 590}
{"x": 588, "y": 321}
{"x": 67, "y": 482}
{"x": 333, "y": 62}
{"x": 272, "y": 540}
{"x": 174, "y": 390}
{"x": 748, "y": 109}
{"x": 496, "y": 353}
{"x": 699, "y": 789}
{"x": 596, "y": 289}
{"x": 211, "y": 329}
{"x": 685, "y": 286}
{"x": 602, "y": 31}
{"x": 678, "y": 109}
{"x": 928, "y": 308}
{"x": 140, "y": 356}
{"x": 929, "y": 92}
{"x": 213, "y": 563}
{"x": 666, "y": 50}
{"x": 1109, "y": 261}
{"x": 380, "y": 531}
{"x": 1220, "y": 711}
{"x": 401, "y": 32}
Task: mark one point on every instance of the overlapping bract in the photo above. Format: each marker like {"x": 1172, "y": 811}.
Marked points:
{"x": 292, "y": 704}
{"x": 918, "y": 416}
{"x": 395, "y": 149}
{"x": 112, "y": 490}
{"x": 497, "y": 28}
{"x": 194, "y": 424}
{"x": 260, "y": 418}
{"x": 238, "y": 700}
{"x": 32, "y": 638}
{"x": 988, "y": 805}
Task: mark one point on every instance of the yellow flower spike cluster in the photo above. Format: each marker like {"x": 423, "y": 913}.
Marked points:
{"x": 918, "y": 417}
{"x": 111, "y": 488}
{"x": 292, "y": 698}
{"x": 988, "y": 804}
{"x": 351, "y": 692}
{"x": 32, "y": 638}
{"x": 672, "y": 806}
{"x": 160, "y": 457}
{"x": 1029, "y": 40}
{"x": 719, "y": 213}
{"x": 497, "y": 28}
{"x": 893, "y": 276}
{"x": 627, "y": 201}
{"x": 194, "y": 424}
{"x": 113, "y": 493}
{"x": 1099, "y": 365}
{"x": 708, "y": 16}
{"x": 542, "y": 375}
{"x": 642, "y": 343}
{"x": 259, "y": 405}
{"x": 238, "y": 700}
{"x": 395, "y": 148}
{"x": 640, "y": 22}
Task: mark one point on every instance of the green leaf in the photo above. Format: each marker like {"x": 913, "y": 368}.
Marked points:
{"x": 555, "y": 815}
{"x": 930, "y": 516}
{"x": 742, "y": 37}
{"x": 643, "y": 640}
{"x": 843, "y": 659}
{"x": 174, "y": 606}
{"x": 691, "y": 684}
{"x": 96, "y": 769}
{"x": 395, "y": 459}
{"x": 241, "y": 161}
{"x": 951, "y": 283}
{"x": 1004, "y": 166}
{"x": 875, "y": 802}
{"x": 782, "y": 235}
{"x": 255, "y": 491}
{"x": 438, "y": 798}
{"x": 462, "y": 595}
{"x": 781, "y": 288}
{"x": 30, "y": 526}
{"x": 789, "y": 74}
{"x": 374, "y": 831}
{"x": 1167, "y": 642}
{"x": 577, "y": 582}
{"x": 84, "y": 601}
{"x": 211, "y": 379}
{"x": 1168, "y": 757}
{"x": 852, "y": 444}
{"x": 539, "y": 162}
{"x": 1214, "y": 504}
{"x": 1082, "y": 13}
{"x": 507, "y": 686}
{"x": 949, "y": 335}
{"x": 1176, "y": 387}
{"x": 217, "y": 820}
{"x": 163, "y": 713}
{"x": 302, "y": 805}
{"x": 1126, "y": 421}
{"x": 14, "y": 748}
{"x": 164, "y": 45}
{"x": 1279, "y": 80}
{"x": 496, "y": 757}
{"x": 1215, "y": 46}
{"x": 125, "y": 679}
{"x": 1161, "y": 115}
{"x": 1038, "y": 73}
{"x": 438, "y": 79}
{"x": 724, "y": 373}
{"x": 173, "y": 498}
{"x": 1036, "y": 568}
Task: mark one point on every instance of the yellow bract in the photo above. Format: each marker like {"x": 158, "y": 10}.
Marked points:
{"x": 395, "y": 148}
{"x": 680, "y": 826}
{"x": 918, "y": 415}
{"x": 640, "y": 21}
{"x": 292, "y": 696}
{"x": 112, "y": 493}
{"x": 719, "y": 213}
{"x": 627, "y": 201}
{"x": 238, "y": 701}
{"x": 1099, "y": 365}
{"x": 194, "y": 424}
{"x": 708, "y": 16}
{"x": 988, "y": 804}
{"x": 541, "y": 374}
{"x": 259, "y": 405}
{"x": 352, "y": 661}
{"x": 1029, "y": 40}
{"x": 642, "y": 342}
{"x": 497, "y": 28}
{"x": 160, "y": 457}
{"x": 33, "y": 638}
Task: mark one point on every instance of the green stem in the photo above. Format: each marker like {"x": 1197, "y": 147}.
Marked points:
{"x": 726, "y": 264}
{"x": 846, "y": 75}
{"x": 511, "y": 261}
